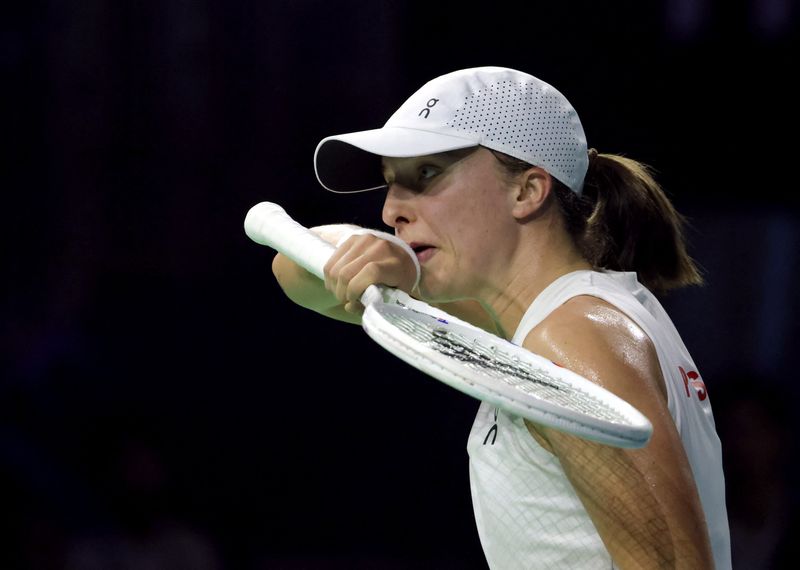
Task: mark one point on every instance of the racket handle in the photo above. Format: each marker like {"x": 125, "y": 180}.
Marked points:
{"x": 269, "y": 224}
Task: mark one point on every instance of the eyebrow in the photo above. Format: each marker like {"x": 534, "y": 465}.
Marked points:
{"x": 446, "y": 160}
{"x": 456, "y": 154}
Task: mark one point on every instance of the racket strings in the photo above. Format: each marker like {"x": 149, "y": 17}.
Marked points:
{"x": 507, "y": 368}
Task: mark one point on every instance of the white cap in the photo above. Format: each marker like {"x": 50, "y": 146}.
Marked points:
{"x": 499, "y": 108}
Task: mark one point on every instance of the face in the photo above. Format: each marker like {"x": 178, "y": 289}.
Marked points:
{"x": 454, "y": 211}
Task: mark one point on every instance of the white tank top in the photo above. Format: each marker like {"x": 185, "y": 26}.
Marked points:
{"x": 527, "y": 513}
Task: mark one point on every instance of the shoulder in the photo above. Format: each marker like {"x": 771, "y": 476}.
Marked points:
{"x": 598, "y": 340}
{"x": 586, "y": 318}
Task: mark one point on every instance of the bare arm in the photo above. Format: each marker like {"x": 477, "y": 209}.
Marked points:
{"x": 309, "y": 291}
{"x": 644, "y": 502}
{"x": 359, "y": 262}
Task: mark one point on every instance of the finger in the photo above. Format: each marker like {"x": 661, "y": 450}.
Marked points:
{"x": 369, "y": 274}
{"x": 340, "y": 258}
{"x": 352, "y": 277}
{"x": 330, "y": 272}
{"x": 354, "y": 307}
{"x": 348, "y": 260}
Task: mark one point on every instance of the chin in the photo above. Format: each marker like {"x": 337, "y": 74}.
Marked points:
{"x": 435, "y": 293}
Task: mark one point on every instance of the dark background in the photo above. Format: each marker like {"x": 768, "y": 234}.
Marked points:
{"x": 162, "y": 405}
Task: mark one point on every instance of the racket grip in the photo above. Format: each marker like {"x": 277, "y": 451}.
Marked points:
{"x": 268, "y": 224}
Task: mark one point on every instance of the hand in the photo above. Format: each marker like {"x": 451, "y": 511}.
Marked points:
{"x": 364, "y": 260}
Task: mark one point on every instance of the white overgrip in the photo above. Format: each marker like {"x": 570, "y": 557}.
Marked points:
{"x": 268, "y": 224}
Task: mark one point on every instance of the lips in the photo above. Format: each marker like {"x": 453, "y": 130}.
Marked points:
{"x": 424, "y": 251}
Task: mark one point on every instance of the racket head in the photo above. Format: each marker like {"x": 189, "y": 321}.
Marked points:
{"x": 494, "y": 370}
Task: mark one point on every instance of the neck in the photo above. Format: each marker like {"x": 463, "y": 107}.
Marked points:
{"x": 545, "y": 257}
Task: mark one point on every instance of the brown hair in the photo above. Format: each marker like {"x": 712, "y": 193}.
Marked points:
{"x": 624, "y": 221}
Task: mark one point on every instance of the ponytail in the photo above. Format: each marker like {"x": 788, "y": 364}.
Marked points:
{"x": 632, "y": 225}
{"x": 624, "y": 221}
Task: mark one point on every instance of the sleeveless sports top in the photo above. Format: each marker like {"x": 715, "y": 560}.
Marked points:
{"x": 527, "y": 513}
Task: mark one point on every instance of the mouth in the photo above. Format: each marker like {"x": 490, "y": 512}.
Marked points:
{"x": 423, "y": 251}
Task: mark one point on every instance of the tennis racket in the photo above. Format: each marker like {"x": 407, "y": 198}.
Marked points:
{"x": 467, "y": 358}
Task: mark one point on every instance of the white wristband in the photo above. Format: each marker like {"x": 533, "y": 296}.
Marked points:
{"x": 388, "y": 237}
{"x": 332, "y": 232}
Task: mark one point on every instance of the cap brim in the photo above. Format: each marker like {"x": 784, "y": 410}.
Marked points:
{"x": 352, "y": 162}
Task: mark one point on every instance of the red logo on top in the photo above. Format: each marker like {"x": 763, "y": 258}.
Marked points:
{"x": 692, "y": 379}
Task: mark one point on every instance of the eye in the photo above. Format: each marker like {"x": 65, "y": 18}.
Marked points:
{"x": 427, "y": 171}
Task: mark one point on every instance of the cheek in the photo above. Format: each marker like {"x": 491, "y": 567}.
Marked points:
{"x": 482, "y": 218}
{"x": 474, "y": 237}
{"x": 471, "y": 218}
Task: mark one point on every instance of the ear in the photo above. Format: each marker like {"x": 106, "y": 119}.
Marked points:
{"x": 531, "y": 193}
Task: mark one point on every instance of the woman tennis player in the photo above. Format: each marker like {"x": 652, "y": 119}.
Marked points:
{"x": 520, "y": 228}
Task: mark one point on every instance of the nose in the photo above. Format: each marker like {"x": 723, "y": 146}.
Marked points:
{"x": 398, "y": 206}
